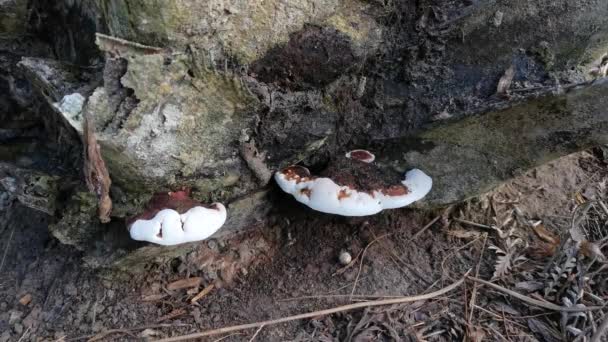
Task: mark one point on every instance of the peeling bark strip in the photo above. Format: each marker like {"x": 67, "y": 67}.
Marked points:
{"x": 95, "y": 171}
{"x": 473, "y": 155}
{"x": 255, "y": 161}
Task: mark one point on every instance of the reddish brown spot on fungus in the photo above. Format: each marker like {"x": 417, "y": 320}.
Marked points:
{"x": 297, "y": 173}
{"x": 306, "y": 192}
{"x": 396, "y": 190}
{"x": 343, "y": 194}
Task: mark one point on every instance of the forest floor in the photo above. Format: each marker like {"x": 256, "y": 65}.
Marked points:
{"x": 540, "y": 235}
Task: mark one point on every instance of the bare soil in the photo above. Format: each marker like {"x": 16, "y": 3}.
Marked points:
{"x": 290, "y": 265}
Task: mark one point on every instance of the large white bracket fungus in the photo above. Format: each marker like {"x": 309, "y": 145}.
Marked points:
{"x": 168, "y": 227}
{"x": 324, "y": 195}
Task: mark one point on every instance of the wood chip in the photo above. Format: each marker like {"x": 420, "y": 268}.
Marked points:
{"x": 25, "y": 300}
{"x": 185, "y": 283}
{"x": 202, "y": 294}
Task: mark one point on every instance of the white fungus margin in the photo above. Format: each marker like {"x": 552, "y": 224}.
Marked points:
{"x": 324, "y": 195}
{"x": 168, "y": 227}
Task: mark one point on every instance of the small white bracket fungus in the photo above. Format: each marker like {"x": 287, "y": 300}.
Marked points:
{"x": 361, "y": 155}
{"x": 168, "y": 227}
{"x": 324, "y": 195}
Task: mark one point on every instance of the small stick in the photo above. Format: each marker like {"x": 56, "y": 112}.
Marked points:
{"x": 256, "y": 333}
{"x": 203, "y": 293}
{"x": 317, "y": 313}
{"x": 474, "y": 224}
{"x": 535, "y": 302}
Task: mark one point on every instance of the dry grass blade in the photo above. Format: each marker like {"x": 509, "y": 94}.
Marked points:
{"x": 317, "y": 313}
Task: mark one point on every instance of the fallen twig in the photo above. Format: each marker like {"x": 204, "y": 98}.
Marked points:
{"x": 317, "y": 313}
{"x": 536, "y": 302}
{"x": 256, "y": 333}
{"x": 474, "y": 224}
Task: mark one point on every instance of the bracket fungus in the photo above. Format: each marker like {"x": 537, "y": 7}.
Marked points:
{"x": 175, "y": 218}
{"x": 361, "y": 155}
{"x": 353, "y": 188}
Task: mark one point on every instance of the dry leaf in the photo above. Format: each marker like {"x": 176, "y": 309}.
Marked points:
{"x": 95, "y": 171}
{"x": 542, "y": 250}
{"x": 506, "y": 258}
{"x": 579, "y": 198}
{"x": 593, "y": 251}
{"x": 475, "y": 334}
{"x": 545, "y": 234}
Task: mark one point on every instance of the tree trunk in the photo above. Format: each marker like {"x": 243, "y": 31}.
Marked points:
{"x": 215, "y": 96}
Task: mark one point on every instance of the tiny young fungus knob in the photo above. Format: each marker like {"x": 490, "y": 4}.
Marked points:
{"x": 355, "y": 188}
{"x": 175, "y": 218}
{"x": 361, "y": 155}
